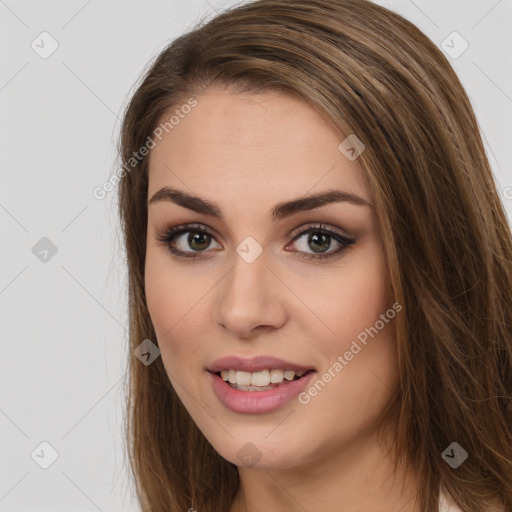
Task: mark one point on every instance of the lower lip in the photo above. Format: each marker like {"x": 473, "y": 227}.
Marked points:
{"x": 258, "y": 402}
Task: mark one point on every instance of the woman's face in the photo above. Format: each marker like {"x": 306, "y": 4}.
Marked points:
{"x": 259, "y": 284}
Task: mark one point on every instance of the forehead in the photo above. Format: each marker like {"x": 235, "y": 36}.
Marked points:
{"x": 248, "y": 146}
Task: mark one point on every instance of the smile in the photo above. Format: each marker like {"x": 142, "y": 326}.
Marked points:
{"x": 249, "y": 399}
{"x": 259, "y": 381}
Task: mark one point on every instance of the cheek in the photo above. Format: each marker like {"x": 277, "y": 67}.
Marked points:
{"x": 174, "y": 303}
{"x": 349, "y": 299}
{"x": 351, "y": 304}
{"x": 175, "y": 307}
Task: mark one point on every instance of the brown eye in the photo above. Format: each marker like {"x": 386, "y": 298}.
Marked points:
{"x": 319, "y": 241}
{"x": 197, "y": 241}
{"x": 315, "y": 246}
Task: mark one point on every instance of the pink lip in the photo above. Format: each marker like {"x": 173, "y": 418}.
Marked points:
{"x": 254, "y": 364}
{"x": 257, "y": 402}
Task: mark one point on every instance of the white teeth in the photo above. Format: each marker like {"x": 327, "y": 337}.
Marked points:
{"x": 276, "y": 376}
{"x": 243, "y": 378}
{"x": 289, "y": 374}
{"x": 261, "y": 378}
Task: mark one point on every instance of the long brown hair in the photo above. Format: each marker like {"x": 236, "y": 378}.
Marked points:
{"x": 447, "y": 242}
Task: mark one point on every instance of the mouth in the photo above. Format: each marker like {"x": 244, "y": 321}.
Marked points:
{"x": 259, "y": 384}
{"x": 260, "y": 395}
{"x": 263, "y": 380}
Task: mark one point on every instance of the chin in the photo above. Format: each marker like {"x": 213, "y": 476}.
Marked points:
{"x": 254, "y": 448}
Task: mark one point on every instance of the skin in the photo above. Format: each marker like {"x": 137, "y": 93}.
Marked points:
{"x": 247, "y": 153}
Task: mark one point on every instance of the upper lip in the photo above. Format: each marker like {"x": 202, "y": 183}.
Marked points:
{"x": 254, "y": 364}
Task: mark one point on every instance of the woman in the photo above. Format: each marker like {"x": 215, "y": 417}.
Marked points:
{"x": 317, "y": 248}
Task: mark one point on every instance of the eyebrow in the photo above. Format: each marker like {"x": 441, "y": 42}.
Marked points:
{"x": 280, "y": 210}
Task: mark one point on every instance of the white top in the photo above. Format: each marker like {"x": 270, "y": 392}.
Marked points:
{"x": 446, "y": 504}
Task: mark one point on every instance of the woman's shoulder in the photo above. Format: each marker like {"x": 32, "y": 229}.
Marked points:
{"x": 446, "y": 504}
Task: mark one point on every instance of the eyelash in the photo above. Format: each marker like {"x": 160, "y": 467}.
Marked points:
{"x": 169, "y": 234}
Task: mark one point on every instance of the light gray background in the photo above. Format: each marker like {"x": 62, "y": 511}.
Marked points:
{"x": 64, "y": 321}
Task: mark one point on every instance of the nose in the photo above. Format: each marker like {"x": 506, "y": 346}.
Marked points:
{"x": 251, "y": 298}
